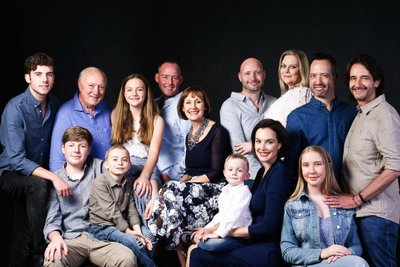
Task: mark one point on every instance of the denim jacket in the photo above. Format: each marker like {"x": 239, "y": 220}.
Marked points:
{"x": 300, "y": 238}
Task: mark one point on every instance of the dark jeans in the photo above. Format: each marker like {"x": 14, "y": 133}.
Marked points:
{"x": 222, "y": 244}
{"x": 27, "y": 240}
{"x": 378, "y": 237}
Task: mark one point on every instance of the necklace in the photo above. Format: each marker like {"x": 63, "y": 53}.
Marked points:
{"x": 194, "y": 139}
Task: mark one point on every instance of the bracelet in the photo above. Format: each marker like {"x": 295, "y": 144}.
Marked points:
{"x": 355, "y": 200}
{"x": 361, "y": 197}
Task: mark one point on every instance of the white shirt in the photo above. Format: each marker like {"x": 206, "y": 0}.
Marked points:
{"x": 234, "y": 211}
{"x": 292, "y": 99}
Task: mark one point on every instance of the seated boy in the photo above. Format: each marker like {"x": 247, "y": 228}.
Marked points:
{"x": 113, "y": 215}
{"x": 233, "y": 205}
{"x": 67, "y": 222}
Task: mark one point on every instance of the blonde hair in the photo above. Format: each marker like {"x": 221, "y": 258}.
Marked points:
{"x": 113, "y": 148}
{"x": 329, "y": 186}
{"x": 122, "y": 128}
{"x": 237, "y": 156}
{"x": 304, "y": 68}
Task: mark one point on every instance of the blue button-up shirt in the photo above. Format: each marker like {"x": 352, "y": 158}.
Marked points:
{"x": 72, "y": 113}
{"x": 300, "y": 239}
{"x": 25, "y": 134}
{"x": 172, "y": 150}
{"x": 314, "y": 124}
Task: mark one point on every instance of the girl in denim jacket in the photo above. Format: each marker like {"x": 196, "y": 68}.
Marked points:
{"x": 313, "y": 233}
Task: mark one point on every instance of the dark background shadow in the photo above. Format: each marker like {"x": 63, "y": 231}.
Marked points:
{"x": 209, "y": 39}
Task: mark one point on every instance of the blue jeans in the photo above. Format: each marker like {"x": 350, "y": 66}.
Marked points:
{"x": 221, "y": 244}
{"x": 348, "y": 260}
{"x": 111, "y": 233}
{"x": 379, "y": 238}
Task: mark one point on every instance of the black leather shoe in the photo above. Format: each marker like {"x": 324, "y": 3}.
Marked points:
{"x": 186, "y": 238}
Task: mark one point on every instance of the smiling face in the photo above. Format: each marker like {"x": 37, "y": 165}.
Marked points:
{"x": 322, "y": 81}
{"x": 289, "y": 71}
{"x": 236, "y": 171}
{"x": 40, "y": 81}
{"x": 193, "y": 107}
{"x": 362, "y": 84}
{"x": 92, "y": 87}
{"x": 313, "y": 169}
{"x": 252, "y": 75}
{"x": 266, "y": 146}
{"x": 76, "y": 152}
{"x": 135, "y": 92}
{"x": 169, "y": 79}
{"x": 117, "y": 162}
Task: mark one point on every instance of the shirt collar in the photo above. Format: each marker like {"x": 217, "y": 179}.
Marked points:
{"x": 232, "y": 188}
{"x": 243, "y": 98}
{"x": 319, "y": 105}
{"x": 78, "y": 105}
{"x": 372, "y": 104}
{"x": 111, "y": 180}
{"x": 32, "y": 100}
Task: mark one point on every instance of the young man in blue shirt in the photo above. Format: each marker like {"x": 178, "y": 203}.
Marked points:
{"x": 25, "y": 131}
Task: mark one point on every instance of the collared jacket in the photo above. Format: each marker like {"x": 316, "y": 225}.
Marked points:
{"x": 300, "y": 237}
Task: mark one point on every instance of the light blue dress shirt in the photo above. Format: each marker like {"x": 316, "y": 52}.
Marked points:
{"x": 71, "y": 113}
{"x": 172, "y": 153}
{"x": 239, "y": 116}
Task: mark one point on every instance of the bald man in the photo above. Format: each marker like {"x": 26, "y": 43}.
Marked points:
{"x": 242, "y": 111}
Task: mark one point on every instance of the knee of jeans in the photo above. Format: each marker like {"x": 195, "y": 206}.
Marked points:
{"x": 359, "y": 262}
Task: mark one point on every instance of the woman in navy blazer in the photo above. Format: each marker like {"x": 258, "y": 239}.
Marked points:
{"x": 270, "y": 190}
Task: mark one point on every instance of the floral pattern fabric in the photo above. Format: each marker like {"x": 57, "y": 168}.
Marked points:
{"x": 181, "y": 207}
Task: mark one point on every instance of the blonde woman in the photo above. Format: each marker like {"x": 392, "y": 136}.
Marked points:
{"x": 313, "y": 233}
{"x": 293, "y": 72}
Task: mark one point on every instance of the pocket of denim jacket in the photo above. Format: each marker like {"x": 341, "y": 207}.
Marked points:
{"x": 300, "y": 220}
{"x": 346, "y": 213}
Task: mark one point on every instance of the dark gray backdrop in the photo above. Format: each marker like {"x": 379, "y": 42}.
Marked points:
{"x": 209, "y": 39}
